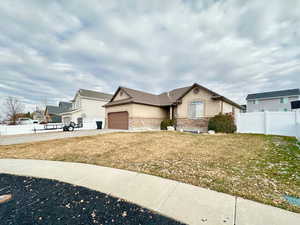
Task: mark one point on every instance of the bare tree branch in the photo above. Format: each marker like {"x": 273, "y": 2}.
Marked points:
{"x": 13, "y": 107}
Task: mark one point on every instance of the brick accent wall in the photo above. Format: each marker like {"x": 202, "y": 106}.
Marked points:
{"x": 193, "y": 124}
{"x": 144, "y": 123}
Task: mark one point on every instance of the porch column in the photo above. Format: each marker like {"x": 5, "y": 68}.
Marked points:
{"x": 171, "y": 112}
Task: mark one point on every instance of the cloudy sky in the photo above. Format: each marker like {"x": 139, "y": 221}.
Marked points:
{"x": 49, "y": 49}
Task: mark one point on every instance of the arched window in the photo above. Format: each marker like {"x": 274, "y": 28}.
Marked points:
{"x": 196, "y": 109}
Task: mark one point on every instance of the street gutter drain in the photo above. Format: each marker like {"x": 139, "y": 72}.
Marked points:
{"x": 5, "y": 198}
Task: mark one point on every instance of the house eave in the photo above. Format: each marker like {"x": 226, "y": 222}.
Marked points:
{"x": 70, "y": 112}
{"x": 134, "y": 102}
{"x": 266, "y": 98}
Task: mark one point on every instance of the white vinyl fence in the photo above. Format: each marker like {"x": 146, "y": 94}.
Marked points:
{"x": 277, "y": 123}
{"x": 40, "y": 128}
{"x": 21, "y": 129}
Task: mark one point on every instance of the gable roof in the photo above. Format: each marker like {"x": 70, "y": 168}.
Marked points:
{"x": 135, "y": 96}
{"x": 274, "y": 94}
{"x": 94, "y": 94}
{"x": 163, "y": 99}
{"x": 61, "y": 108}
{"x": 65, "y": 105}
{"x": 168, "y": 98}
{"x": 55, "y": 110}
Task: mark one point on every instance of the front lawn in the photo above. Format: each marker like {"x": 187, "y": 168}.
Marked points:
{"x": 257, "y": 167}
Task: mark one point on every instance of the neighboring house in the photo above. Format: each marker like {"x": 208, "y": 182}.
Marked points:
{"x": 244, "y": 108}
{"x": 38, "y": 115}
{"x": 272, "y": 101}
{"x": 191, "y": 107}
{"x": 86, "y": 107}
{"x": 52, "y": 113}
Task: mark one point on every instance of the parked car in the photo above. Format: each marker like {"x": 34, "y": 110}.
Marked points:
{"x": 25, "y": 120}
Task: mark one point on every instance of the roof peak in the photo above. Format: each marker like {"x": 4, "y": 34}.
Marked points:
{"x": 82, "y": 89}
{"x": 93, "y": 94}
{"x": 137, "y": 90}
{"x": 165, "y": 92}
{"x": 162, "y": 99}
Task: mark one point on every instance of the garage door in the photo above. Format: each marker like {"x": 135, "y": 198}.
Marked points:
{"x": 118, "y": 120}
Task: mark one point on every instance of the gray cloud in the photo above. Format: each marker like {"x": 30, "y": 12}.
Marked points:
{"x": 50, "y": 49}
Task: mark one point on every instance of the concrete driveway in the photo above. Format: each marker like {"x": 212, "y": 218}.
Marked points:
{"x": 26, "y": 138}
{"x": 183, "y": 202}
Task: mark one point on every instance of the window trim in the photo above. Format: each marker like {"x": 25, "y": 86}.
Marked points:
{"x": 189, "y": 109}
{"x": 284, "y": 100}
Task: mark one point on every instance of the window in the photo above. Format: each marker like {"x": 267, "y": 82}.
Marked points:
{"x": 196, "y": 109}
{"x": 256, "y": 102}
{"x": 196, "y": 90}
{"x": 284, "y": 100}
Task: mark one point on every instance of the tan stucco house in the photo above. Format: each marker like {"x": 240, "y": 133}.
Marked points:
{"x": 86, "y": 107}
{"x": 191, "y": 107}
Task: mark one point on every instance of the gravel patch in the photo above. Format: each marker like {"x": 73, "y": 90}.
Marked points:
{"x": 43, "y": 201}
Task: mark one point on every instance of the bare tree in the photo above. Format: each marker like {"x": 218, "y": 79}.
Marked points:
{"x": 13, "y": 107}
{"x": 44, "y": 102}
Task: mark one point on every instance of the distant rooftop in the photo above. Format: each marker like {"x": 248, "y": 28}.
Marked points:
{"x": 95, "y": 94}
{"x": 274, "y": 94}
{"x": 55, "y": 110}
{"x": 65, "y": 105}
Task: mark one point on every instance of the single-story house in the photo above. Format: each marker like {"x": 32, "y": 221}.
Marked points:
{"x": 191, "y": 107}
{"x": 52, "y": 113}
{"x": 86, "y": 106}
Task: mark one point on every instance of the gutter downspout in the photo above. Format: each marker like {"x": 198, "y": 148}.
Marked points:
{"x": 175, "y": 115}
{"x": 222, "y": 107}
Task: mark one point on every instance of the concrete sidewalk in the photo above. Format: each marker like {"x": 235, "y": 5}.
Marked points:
{"x": 26, "y": 138}
{"x": 186, "y": 203}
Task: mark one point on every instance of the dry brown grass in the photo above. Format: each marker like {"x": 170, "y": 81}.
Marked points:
{"x": 251, "y": 166}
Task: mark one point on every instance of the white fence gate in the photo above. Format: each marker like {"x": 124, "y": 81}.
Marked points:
{"x": 277, "y": 123}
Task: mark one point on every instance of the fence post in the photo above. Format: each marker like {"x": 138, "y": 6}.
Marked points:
{"x": 237, "y": 122}
{"x": 297, "y": 124}
{"x": 265, "y": 122}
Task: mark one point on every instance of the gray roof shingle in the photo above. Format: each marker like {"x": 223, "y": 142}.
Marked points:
{"x": 65, "y": 105}
{"x": 274, "y": 94}
{"x": 167, "y": 98}
{"x": 55, "y": 110}
{"x": 94, "y": 94}
{"x": 164, "y": 99}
